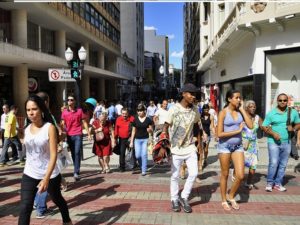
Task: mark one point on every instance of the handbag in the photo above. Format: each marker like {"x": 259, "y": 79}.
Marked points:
{"x": 129, "y": 158}
{"x": 289, "y": 124}
{"x": 99, "y": 136}
{"x": 116, "y": 149}
{"x": 63, "y": 157}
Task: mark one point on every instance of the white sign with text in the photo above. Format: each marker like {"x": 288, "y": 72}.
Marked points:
{"x": 59, "y": 75}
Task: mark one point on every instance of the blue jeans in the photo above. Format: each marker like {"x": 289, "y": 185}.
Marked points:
{"x": 75, "y": 144}
{"x": 40, "y": 201}
{"x": 9, "y": 141}
{"x": 278, "y": 159}
{"x": 141, "y": 154}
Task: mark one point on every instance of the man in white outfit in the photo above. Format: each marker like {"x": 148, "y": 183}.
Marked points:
{"x": 182, "y": 118}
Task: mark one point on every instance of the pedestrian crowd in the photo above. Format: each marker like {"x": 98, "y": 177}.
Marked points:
{"x": 177, "y": 133}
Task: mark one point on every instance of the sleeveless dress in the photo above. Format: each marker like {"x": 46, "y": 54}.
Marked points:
{"x": 103, "y": 147}
{"x": 250, "y": 135}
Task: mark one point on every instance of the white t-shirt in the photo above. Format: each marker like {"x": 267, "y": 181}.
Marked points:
{"x": 182, "y": 122}
{"x": 119, "y": 108}
{"x": 38, "y": 153}
{"x": 3, "y": 116}
{"x": 162, "y": 115}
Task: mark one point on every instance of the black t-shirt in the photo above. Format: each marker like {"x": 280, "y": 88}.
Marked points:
{"x": 141, "y": 128}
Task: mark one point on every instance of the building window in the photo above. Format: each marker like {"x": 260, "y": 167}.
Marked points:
{"x": 47, "y": 39}
{"x": 97, "y": 20}
{"x": 82, "y": 10}
{"x": 5, "y": 25}
{"x": 32, "y": 36}
{"x": 76, "y": 7}
{"x": 206, "y": 10}
{"x": 93, "y": 58}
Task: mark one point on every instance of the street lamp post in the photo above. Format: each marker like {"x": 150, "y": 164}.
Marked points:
{"x": 138, "y": 81}
{"x": 76, "y": 66}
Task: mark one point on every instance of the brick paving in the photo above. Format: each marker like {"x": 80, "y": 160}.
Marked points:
{"x": 128, "y": 198}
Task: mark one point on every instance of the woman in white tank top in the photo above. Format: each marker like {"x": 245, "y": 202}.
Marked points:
{"x": 40, "y": 173}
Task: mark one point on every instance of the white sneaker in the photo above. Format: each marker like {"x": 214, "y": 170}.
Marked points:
{"x": 279, "y": 188}
{"x": 269, "y": 187}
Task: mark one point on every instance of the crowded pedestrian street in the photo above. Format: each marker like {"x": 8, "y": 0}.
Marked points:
{"x": 129, "y": 198}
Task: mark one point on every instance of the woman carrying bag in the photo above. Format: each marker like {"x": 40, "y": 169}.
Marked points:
{"x": 104, "y": 141}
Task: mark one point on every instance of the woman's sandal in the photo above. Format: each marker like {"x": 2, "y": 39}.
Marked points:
{"x": 225, "y": 206}
{"x": 234, "y": 204}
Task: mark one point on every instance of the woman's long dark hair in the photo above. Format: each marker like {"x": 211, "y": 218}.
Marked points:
{"x": 41, "y": 104}
{"x": 230, "y": 94}
{"x": 205, "y": 106}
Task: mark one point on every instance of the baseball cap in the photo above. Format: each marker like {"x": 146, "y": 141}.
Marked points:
{"x": 189, "y": 87}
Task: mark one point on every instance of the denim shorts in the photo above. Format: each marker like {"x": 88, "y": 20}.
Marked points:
{"x": 228, "y": 148}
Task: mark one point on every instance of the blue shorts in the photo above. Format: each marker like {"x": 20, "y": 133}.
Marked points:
{"x": 228, "y": 148}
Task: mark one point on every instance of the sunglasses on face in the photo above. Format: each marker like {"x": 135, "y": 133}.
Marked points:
{"x": 70, "y": 100}
{"x": 282, "y": 100}
{"x": 140, "y": 110}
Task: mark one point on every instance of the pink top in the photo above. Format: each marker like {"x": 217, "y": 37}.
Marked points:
{"x": 73, "y": 121}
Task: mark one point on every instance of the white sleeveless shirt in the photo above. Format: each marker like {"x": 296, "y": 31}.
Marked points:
{"x": 38, "y": 153}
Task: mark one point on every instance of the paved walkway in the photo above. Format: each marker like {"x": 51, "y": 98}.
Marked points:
{"x": 128, "y": 198}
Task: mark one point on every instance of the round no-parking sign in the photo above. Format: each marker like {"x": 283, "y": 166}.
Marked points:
{"x": 55, "y": 75}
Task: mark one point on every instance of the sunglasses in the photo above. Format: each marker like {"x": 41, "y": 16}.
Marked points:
{"x": 70, "y": 100}
{"x": 140, "y": 110}
{"x": 282, "y": 100}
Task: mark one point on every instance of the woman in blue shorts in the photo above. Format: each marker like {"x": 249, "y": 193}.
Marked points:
{"x": 231, "y": 122}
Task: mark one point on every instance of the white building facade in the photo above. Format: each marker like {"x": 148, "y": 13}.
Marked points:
{"x": 158, "y": 44}
{"x": 252, "y": 47}
{"x": 132, "y": 46}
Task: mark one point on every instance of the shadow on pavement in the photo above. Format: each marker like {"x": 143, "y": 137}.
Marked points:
{"x": 10, "y": 209}
{"x": 107, "y": 215}
{"x": 91, "y": 195}
{"x": 204, "y": 192}
{"x": 206, "y": 175}
{"x": 212, "y": 159}
{"x": 297, "y": 168}
{"x": 84, "y": 182}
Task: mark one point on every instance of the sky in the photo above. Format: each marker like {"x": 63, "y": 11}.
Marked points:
{"x": 167, "y": 19}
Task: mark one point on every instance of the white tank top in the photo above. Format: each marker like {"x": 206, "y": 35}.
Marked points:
{"x": 38, "y": 153}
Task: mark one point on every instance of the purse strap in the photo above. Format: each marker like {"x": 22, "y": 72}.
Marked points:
{"x": 288, "y": 122}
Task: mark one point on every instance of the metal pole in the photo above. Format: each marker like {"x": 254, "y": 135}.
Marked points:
{"x": 78, "y": 92}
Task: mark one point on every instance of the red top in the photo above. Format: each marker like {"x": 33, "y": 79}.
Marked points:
{"x": 73, "y": 120}
{"x": 122, "y": 126}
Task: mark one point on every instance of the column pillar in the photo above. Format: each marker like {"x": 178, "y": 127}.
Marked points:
{"x": 60, "y": 43}
{"x": 87, "y": 48}
{"x": 20, "y": 86}
{"x": 19, "y": 27}
{"x": 101, "y": 59}
{"x": 101, "y": 89}
{"x": 60, "y": 47}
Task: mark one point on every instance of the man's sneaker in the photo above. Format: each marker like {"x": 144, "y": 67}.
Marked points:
{"x": 279, "y": 187}
{"x": 176, "y": 206}
{"x": 76, "y": 177}
{"x": 43, "y": 215}
{"x": 185, "y": 205}
{"x": 269, "y": 188}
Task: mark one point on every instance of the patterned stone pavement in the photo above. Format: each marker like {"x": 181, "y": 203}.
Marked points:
{"x": 128, "y": 198}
